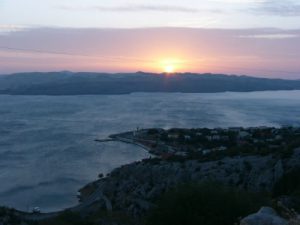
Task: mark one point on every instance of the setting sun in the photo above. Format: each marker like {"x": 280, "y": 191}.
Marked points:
{"x": 169, "y": 69}
{"x": 171, "y": 65}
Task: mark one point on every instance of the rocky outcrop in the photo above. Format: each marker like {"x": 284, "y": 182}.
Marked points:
{"x": 134, "y": 187}
{"x": 295, "y": 221}
{"x": 265, "y": 216}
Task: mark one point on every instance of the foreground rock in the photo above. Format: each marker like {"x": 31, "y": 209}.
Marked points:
{"x": 265, "y": 216}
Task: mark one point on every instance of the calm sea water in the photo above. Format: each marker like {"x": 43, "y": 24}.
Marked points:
{"x": 47, "y": 148}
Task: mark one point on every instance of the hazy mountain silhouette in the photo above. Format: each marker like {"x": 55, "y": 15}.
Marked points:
{"x": 68, "y": 83}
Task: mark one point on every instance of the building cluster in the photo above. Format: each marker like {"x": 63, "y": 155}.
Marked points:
{"x": 204, "y": 141}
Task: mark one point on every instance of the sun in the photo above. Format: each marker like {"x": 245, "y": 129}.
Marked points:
{"x": 169, "y": 68}
{"x": 171, "y": 65}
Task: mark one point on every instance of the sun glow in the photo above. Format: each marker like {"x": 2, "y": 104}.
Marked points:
{"x": 169, "y": 69}
{"x": 171, "y": 65}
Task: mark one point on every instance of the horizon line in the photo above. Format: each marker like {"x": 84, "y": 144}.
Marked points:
{"x": 150, "y": 73}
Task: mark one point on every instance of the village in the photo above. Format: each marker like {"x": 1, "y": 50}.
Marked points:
{"x": 204, "y": 142}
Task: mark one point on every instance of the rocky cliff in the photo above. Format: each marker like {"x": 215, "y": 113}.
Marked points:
{"x": 134, "y": 187}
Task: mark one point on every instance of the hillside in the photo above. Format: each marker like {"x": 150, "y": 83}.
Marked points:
{"x": 129, "y": 193}
{"x": 133, "y": 187}
{"x": 68, "y": 83}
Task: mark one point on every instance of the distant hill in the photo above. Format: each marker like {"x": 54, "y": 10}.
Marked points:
{"x": 68, "y": 83}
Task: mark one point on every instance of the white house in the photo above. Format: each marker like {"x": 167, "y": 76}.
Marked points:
{"x": 187, "y": 137}
{"x": 173, "y": 136}
{"x": 216, "y": 137}
{"x": 206, "y": 151}
{"x": 243, "y": 134}
{"x": 222, "y": 148}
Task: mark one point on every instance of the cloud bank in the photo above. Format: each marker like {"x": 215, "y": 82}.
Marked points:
{"x": 287, "y": 8}
{"x": 134, "y": 8}
{"x": 259, "y": 52}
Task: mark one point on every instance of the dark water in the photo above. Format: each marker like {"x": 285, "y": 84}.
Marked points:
{"x": 47, "y": 150}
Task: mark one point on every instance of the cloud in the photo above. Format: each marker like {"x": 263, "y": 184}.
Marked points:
{"x": 270, "y": 36}
{"x": 279, "y": 8}
{"x": 127, "y": 50}
{"x": 7, "y": 28}
{"x": 135, "y": 8}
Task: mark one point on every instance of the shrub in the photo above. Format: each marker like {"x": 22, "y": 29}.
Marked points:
{"x": 247, "y": 165}
{"x": 67, "y": 218}
{"x": 208, "y": 204}
{"x": 288, "y": 184}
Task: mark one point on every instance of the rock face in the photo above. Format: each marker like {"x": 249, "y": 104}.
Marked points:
{"x": 265, "y": 216}
{"x": 133, "y": 187}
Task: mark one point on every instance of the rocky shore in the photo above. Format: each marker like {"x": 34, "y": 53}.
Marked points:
{"x": 134, "y": 187}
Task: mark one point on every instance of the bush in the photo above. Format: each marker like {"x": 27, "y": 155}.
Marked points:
{"x": 208, "y": 204}
{"x": 288, "y": 184}
{"x": 152, "y": 131}
{"x": 67, "y": 218}
{"x": 247, "y": 165}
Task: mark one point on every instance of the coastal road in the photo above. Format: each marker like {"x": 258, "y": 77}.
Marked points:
{"x": 94, "y": 197}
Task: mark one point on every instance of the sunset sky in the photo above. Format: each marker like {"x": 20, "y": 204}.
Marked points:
{"x": 252, "y": 37}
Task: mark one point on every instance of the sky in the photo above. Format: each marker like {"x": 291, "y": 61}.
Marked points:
{"x": 248, "y": 37}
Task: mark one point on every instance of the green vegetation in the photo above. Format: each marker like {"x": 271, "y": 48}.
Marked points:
{"x": 213, "y": 144}
{"x": 208, "y": 204}
{"x": 7, "y": 216}
{"x": 289, "y": 185}
{"x": 66, "y": 218}
{"x": 93, "y": 218}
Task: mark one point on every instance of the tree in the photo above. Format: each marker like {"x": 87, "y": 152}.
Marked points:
{"x": 208, "y": 204}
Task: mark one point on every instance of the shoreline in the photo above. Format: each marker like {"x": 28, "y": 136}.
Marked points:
{"x": 125, "y": 140}
{"x": 94, "y": 197}
{"x": 149, "y": 140}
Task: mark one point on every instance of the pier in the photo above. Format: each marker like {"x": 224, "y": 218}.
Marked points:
{"x": 105, "y": 140}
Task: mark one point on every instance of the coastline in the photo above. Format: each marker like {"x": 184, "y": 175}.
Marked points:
{"x": 125, "y": 140}
{"x": 99, "y": 191}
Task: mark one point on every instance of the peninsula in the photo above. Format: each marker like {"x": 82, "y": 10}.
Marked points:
{"x": 204, "y": 143}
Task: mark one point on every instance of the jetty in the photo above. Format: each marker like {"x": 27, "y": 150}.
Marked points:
{"x": 105, "y": 140}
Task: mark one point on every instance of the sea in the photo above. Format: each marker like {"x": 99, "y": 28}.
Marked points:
{"x": 47, "y": 147}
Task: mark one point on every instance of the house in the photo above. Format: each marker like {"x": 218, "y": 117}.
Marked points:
{"x": 187, "y": 137}
{"x": 199, "y": 150}
{"x": 221, "y": 148}
{"x": 214, "y": 132}
{"x": 184, "y": 154}
{"x": 209, "y": 138}
{"x": 173, "y": 136}
{"x": 243, "y": 134}
{"x": 278, "y": 137}
{"x": 224, "y": 138}
{"x": 256, "y": 140}
{"x": 170, "y": 149}
{"x": 206, "y": 151}
{"x": 216, "y": 137}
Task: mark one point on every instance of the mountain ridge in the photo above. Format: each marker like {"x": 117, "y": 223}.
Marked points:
{"x": 91, "y": 83}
